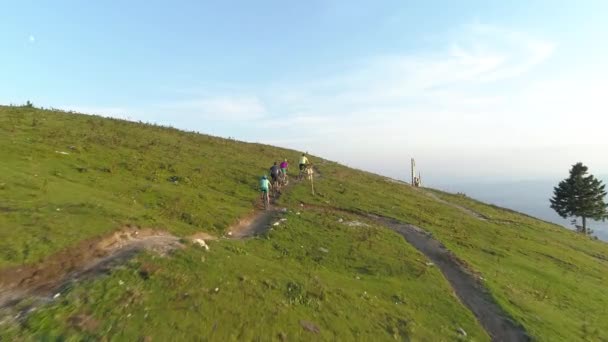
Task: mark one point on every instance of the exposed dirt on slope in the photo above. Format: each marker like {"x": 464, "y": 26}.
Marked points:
{"x": 253, "y": 225}
{"x": 96, "y": 256}
{"x": 87, "y": 259}
{"x": 467, "y": 285}
{"x": 260, "y": 221}
{"x": 43, "y": 281}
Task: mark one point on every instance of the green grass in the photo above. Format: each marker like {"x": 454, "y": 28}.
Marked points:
{"x": 549, "y": 279}
{"x": 116, "y": 173}
{"x": 351, "y": 283}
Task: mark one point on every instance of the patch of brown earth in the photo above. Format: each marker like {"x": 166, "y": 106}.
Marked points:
{"x": 89, "y": 257}
{"x": 253, "y": 225}
{"x": 258, "y": 221}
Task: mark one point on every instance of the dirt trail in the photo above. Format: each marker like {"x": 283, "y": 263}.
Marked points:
{"x": 88, "y": 259}
{"x": 254, "y": 225}
{"x": 260, "y": 221}
{"x": 42, "y": 282}
{"x": 467, "y": 285}
{"x": 454, "y": 205}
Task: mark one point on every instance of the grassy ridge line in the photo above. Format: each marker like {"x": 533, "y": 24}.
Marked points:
{"x": 115, "y": 173}
{"x": 550, "y": 279}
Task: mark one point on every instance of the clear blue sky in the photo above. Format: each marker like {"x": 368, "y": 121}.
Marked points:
{"x": 491, "y": 89}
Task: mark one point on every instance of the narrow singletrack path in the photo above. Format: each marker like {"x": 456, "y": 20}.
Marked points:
{"x": 260, "y": 221}
{"x": 256, "y": 224}
{"x": 42, "y": 282}
{"x": 467, "y": 286}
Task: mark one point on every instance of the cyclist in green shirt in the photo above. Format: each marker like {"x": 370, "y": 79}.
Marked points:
{"x": 264, "y": 188}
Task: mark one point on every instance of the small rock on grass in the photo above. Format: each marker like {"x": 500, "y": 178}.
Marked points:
{"x": 324, "y": 250}
{"x": 310, "y": 326}
{"x": 201, "y": 243}
{"x": 462, "y": 332}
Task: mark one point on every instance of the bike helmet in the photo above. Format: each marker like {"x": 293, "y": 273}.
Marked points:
{"x": 264, "y": 177}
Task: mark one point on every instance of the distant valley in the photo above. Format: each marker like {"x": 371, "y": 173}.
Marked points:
{"x": 530, "y": 197}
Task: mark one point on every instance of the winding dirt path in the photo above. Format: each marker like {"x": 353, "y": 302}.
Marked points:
{"x": 45, "y": 281}
{"x": 467, "y": 286}
{"x": 88, "y": 259}
{"x": 261, "y": 220}
{"x": 42, "y": 282}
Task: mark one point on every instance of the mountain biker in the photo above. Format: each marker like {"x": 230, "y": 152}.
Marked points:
{"x": 284, "y": 167}
{"x": 303, "y": 162}
{"x": 264, "y": 187}
{"x": 274, "y": 172}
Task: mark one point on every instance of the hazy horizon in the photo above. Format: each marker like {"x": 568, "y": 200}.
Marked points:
{"x": 475, "y": 91}
{"x": 529, "y": 197}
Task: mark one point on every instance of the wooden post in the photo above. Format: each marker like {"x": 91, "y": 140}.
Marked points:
{"x": 310, "y": 172}
{"x": 413, "y": 172}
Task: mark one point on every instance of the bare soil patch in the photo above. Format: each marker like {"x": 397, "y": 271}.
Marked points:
{"x": 87, "y": 259}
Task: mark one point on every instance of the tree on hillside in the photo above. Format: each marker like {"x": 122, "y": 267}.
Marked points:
{"x": 580, "y": 195}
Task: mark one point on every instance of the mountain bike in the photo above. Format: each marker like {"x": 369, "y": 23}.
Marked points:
{"x": 302, "y": 172}
{"x": 276, "y": 187}
{"x": 265, "y": 200}
{"x": 283, "y": 181}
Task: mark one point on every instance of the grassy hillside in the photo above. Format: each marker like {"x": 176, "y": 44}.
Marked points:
{"x": 368, "y": 285}
{"x": 550, "y": 279}
{"x": 68, "y": 177}
{"x": 313, "y": 273}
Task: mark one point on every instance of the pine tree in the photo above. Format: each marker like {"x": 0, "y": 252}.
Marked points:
{"x": 580, "y": 195}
